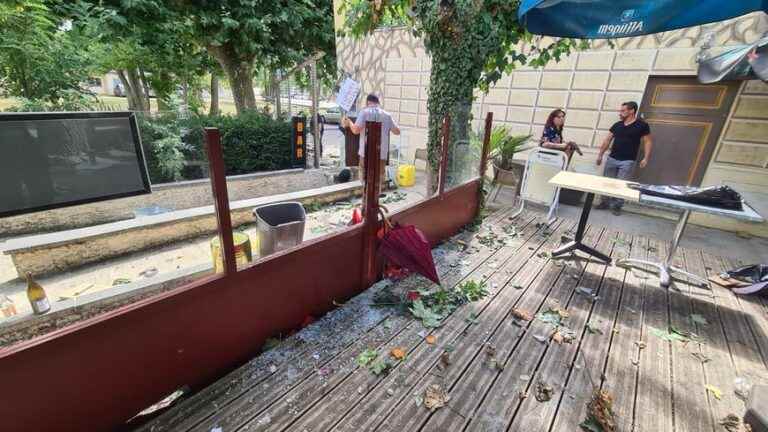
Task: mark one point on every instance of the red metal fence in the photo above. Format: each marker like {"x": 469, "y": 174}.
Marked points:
{"x": 96, "y": 374}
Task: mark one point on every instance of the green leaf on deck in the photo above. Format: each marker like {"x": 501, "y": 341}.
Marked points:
{"x": 590, "y": 425}
{"x": 380, "y": 366}
{"x": 428, "y": 318}
{"x": 698, "y": 319}
{"x": 716, "y": 392}
{"x": 594, "y": 330}
{"x": 366, "y": 357}
{"x": 669, "y": 336}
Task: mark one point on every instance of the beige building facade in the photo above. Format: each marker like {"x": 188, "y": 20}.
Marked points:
{"x": 590, "y": 85}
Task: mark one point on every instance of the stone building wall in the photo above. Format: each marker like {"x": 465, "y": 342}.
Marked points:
{"x": 590, "y": 85}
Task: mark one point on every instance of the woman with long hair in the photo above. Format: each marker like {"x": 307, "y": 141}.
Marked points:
{"x": 552, "y": 137}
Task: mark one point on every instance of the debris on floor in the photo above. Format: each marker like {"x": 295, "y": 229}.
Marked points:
{"x": 432, "y": 307}
{"x": 554, "y": 315}
{"x": 716, "y": 392}
{"x": 544, "y": 391}
{"x": 672, "y": 335}
{"x": 435, "y": 397}
{"x": 431, "y": 339}
{"x": 148, "y": 273}
{"x": 492, "y": 362}
{"x": 731, "y": 423}
{"x": 600, "y": 416}
{"x": 445, "y": 359}
{"x": 366, "y": 357}
{"x": 698, "y": 319}
{"x": 397, "y": 353}
{"x": 563, "y": 335}
{"x": 593, "y": 329}
{"x": 380, "y": 366}
{"x": 701, "y": 357}
{"x": 522, "y": 314}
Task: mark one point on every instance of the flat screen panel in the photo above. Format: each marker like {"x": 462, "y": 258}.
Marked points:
{"x": 50, "y": 160}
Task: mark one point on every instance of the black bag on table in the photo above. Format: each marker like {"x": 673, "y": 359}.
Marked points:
{"x": 714, "y": 196}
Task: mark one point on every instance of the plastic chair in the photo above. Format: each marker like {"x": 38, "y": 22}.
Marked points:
{"x": 541, "y": 166}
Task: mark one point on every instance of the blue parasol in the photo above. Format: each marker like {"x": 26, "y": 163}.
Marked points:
{"x": 602, "y": 19}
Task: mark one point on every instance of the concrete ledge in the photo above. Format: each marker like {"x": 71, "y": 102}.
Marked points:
{"x": 241, "y": 177}
{"x": 55, "y": 252}
{"x": 64, "y": 313}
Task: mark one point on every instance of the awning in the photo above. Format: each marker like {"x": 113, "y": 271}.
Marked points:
{"x": 741, "y": 62}
{"x": 606, "y": 19}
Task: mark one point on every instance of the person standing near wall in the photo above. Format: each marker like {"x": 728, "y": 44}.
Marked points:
{"x": 373, "y": 112}
{"x": 624, "y": 141}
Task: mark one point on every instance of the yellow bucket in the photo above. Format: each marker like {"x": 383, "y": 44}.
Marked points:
{"x": 406, "y": 175}
{"x": 243, "y": 254}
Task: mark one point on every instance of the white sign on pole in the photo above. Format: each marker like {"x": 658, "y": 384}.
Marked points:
{"x": 347, "y": 93}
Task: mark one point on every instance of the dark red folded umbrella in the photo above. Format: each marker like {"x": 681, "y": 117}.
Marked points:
{"x": 407, "y": 247}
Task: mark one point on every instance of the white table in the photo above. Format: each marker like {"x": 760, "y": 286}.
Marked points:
{"x": 592, "y": 184}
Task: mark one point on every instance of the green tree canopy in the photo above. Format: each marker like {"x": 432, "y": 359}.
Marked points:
{"x": 41, "y": 56}
{"x": 241, "y": 33}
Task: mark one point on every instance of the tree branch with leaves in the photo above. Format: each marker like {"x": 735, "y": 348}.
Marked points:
{"x": 471, "y": 42}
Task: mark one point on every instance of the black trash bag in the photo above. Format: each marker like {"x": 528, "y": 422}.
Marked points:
{"x": 714, "y": 196}
{"x": 756, "y": 275}
{"x": 753, "y": 273}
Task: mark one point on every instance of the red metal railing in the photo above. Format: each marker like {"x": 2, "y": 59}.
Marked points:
{"x": 97, "y": 373}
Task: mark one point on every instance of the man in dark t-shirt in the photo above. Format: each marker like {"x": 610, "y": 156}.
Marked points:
{"x": 624, "y": 141}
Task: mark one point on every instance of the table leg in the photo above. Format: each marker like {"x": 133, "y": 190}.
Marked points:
{"x": 666, "y": 269}
{"x": 576, "y": 244}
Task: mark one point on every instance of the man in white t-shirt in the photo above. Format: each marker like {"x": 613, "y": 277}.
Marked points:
{"x": 373, "y": 112}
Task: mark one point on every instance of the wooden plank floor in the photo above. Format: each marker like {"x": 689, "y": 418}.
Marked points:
{"x": 311, "y": 382}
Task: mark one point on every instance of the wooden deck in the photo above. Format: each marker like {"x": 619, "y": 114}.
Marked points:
{"x": 312, "y": 382}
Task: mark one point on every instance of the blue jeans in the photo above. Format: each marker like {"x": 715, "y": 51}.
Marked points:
{"x": 619, "y": 169}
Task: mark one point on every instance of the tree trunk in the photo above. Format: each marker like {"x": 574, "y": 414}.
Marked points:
{"x": 239, "y": 72}
{"x": 278, "y": 96}
{"x": 134, "y": 90}
{"x": 130, "y": 96}
{"x": 214, "y": 95}
{"x": 145, "y": 86}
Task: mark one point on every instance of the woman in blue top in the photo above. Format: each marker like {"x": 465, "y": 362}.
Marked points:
{"x": 552, "y": 137}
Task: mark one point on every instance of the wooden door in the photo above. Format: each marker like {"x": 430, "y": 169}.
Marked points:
{"x": 686, "y": 118}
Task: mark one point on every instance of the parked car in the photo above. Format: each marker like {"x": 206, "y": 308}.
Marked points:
{"x": 332, "y": 115}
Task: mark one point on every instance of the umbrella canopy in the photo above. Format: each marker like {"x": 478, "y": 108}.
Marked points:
{"x": 741, "y": 62}
{"x": 605, "y": 19}
{"x": 407, "y": 247}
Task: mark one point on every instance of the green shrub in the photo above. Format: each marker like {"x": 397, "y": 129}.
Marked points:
{"x": 251, "y": 142}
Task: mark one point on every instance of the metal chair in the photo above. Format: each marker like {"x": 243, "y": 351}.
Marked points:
{"x": 541, "y": 166}
{"x": 420, "y": 154}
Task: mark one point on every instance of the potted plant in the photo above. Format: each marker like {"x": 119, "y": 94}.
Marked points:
{"x": 503, "y": 147}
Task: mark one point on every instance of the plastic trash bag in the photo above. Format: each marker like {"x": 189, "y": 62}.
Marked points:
{"x": 755, "y": 274}
{"x": 714, "y": 196}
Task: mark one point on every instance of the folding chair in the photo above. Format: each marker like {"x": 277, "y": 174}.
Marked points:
{"x": 420, "y": 154}
{"x": 541, "y": 166}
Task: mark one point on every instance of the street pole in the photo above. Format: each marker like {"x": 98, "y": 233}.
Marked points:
{"x": 315, "y": 118}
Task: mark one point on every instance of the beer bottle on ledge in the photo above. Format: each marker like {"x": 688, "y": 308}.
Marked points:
{"x": 37, "y": 297}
